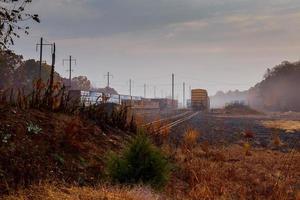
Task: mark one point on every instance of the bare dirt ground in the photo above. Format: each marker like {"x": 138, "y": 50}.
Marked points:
{"x": 274, "y": 130}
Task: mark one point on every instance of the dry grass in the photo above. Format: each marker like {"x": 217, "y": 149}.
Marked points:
{"x": 54, "y": 192}
{"x": 190, "y": 137}
{"x": 220, "y": 173}
{"x": 139, "y": 119}
{"x": 216, "y": 174}
{"x": 276, "y": 139}
{"x": 289, "y": 126}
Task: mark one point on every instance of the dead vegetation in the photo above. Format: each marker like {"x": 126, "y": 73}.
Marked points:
{"x": 236, "y": 172}
{"x": 289, "y": 126}
{"x": 39, "y": 144}
{"x": 237, "y": 108}
{"x": 103, "y": 192}
{"x": 36, "y": 145}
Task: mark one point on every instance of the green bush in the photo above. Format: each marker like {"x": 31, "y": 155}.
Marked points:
{"x": 139, "y": 162}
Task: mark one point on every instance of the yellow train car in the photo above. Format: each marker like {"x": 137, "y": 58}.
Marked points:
{"x": 200, "y": 100}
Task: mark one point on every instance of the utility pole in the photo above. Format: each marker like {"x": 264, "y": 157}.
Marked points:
{"x": 183, "y": 102}
{"x": 173, "y": 89}
{"x": 145, "y": 87}
{"x": 130, "y": 85}
{"x": 41, "y": 44}
{"x": 52, "y": 68}
{"x": 41, "y": 58}
{"x": 50, "y": 100}
{"x": 70, "y": 60}
{"x": 108, "y": 78}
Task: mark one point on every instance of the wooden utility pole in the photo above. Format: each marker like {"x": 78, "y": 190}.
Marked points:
{"x": 52, "y": 69}
{"x": 173, "y": 80}
{"x": 41, "y": 58}
{"x": 145, "y": 87}
{"x": 41, "y": 44}
{"x": 108, "y": 78}
{"x": 130, "y": 85}
{"x": 70, "y": 60}
{"x": 183, "y": 95}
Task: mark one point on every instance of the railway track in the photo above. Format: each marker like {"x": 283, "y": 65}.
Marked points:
{"x": 167, "y": 119}
{"x": 168, "y": 123}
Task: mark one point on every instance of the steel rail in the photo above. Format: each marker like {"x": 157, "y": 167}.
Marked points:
{"x": 166, "y": 119}
{"x": 177, "y": 122}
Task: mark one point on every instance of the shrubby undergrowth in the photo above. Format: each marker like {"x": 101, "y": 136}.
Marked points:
{"x": 139, "y": 162}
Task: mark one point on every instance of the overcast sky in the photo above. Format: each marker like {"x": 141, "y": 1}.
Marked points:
{"x": 212, "y": 44}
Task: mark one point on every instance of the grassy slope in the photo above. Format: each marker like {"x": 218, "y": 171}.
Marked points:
{"x": 72, "y": 150}
{"x": 67, "y": 148}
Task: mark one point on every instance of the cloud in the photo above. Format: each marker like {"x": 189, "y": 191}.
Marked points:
{"x": 164, "y": 35}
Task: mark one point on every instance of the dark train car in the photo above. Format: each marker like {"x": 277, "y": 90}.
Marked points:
{"x": 143, "y": 104}
{"x": 200, "y": 100}
{"x": 166, "y": 103}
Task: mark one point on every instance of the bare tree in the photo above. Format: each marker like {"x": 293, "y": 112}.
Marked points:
{"x": 12, "y": 13}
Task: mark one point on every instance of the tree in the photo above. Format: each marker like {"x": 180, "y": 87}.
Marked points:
{"x": 9, "y": 63}
{"x": 81, "y": 83}
{"x": 279, "y": 90}
{"x": 28, "y": 73}
{"x": 12, "y": 12}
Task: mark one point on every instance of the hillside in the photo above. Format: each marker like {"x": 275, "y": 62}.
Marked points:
{"x": 38, "y": 145}
{"x": 278, "y": 91}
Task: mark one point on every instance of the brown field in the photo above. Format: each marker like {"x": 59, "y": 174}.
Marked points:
{"x": 213, "y": 157}
{"x": 234, "y": 173}
{"x": 61, "y": 192}
{"x": 289, "y": 126}
{"x": 200, "y": 172}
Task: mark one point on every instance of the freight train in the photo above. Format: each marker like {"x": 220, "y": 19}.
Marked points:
{"x": 200, "y": 100}
{"x": 91, "y": 98}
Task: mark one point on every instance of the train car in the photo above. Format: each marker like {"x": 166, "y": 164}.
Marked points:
{"x": 165, "y": 103}
{"x": 145, "y": 104}
{"x": 200, "y": 100}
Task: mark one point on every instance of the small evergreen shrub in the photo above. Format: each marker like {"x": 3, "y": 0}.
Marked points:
{"x": 139, "y": 162}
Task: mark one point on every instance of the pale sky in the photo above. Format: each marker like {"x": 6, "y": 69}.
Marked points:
{"x": 211, "y": 44}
